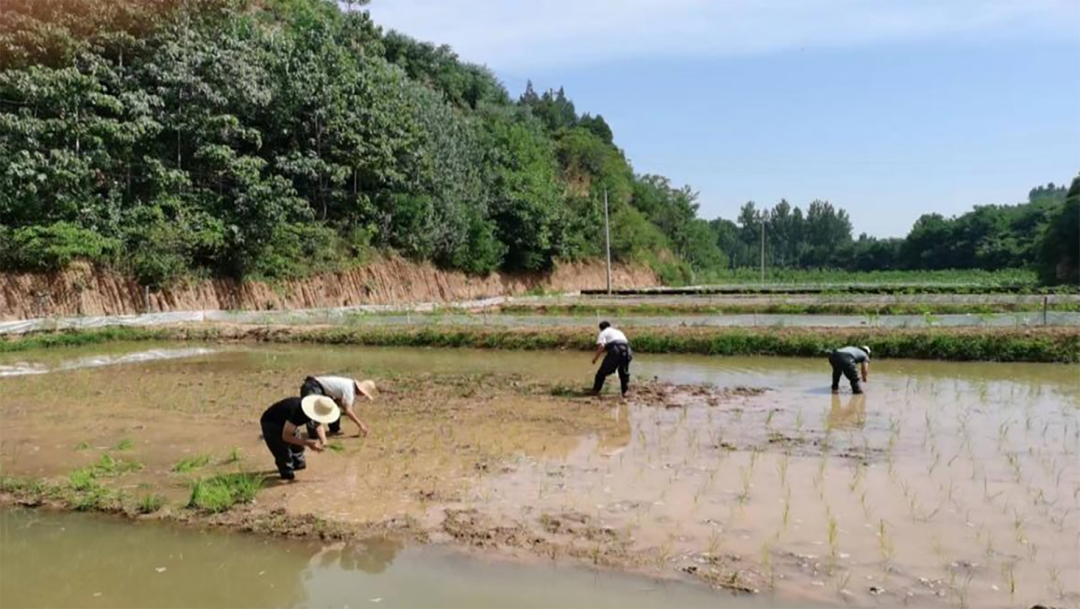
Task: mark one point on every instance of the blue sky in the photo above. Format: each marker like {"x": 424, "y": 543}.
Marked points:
{"x": 888, "y": 108}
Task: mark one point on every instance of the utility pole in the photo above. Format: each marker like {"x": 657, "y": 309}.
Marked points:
{"x": 607, "y": 239}
{"x": 762, "y": 251}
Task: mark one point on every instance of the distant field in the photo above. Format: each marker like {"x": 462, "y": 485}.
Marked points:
{"x": 1010, "y": 277}
{"x": 795, "y": 308}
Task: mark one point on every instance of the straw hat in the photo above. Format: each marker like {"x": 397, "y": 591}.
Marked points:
{"x": 320, "y": 409}
{"x": 367, "y": 388}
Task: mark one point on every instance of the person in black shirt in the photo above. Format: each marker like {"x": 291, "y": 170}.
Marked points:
{"x": 281, "y": 425}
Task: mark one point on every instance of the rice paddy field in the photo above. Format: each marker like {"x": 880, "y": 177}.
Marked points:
{"x": 947, "y": 484}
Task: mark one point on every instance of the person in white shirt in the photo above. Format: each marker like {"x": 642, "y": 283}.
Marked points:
{"x": 618, "y": 358}
{"x": 343, "y": 391}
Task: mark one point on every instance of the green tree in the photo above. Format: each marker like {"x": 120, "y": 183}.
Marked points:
{"x": 1059, "y": 249}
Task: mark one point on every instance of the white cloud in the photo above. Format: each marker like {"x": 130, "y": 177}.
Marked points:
{"x": 521, "y": 34}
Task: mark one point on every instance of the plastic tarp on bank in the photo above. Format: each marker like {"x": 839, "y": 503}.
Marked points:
{"x": 247, "y": 317}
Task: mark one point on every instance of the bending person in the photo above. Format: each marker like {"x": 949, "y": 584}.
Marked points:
{"x": 618, "y": 358}
{"x": 850, "y": 362}
{"x": 281, "y": 425}
{"x": 343, "y": 391}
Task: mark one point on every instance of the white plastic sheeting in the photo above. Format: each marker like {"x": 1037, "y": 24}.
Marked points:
{"x": 291, "y": 316}
{"x": 96, "y": 361}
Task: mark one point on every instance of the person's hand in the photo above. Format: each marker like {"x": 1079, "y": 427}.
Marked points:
{"x": 363, "y": 430}
{"x": 316, "y": 445}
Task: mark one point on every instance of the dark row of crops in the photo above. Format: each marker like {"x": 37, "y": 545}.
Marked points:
{"x": 1053, "y": 345}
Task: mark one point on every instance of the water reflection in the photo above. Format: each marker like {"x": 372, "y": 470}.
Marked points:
{"x": 849, "y": 413}
{"x": 75, "y": 560}
{"x": 50, "y": 562}
{"x": 373, "y": 555}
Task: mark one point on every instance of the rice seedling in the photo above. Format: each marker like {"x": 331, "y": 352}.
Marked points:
{"x": 885, "y": 543}
{"x": 192, "y": 463}
{"x": 220, "y": 493}
{"x": 962, "y": 592}
{"x": 124, "y": 444}
{"x": 1018, "y": 525}
{"x": 1055, "y": 581}
{"x": 782, "y": 469}
{"x": 235, "y": 456}
{"x": 1008, "y": 574}
{"x": 336, "y": 447}
{"x": 108, "y": 466}
{"x": 82, "y": 479}
{"x": 856, "y": 476}
{"x": 842, "y": 580}
{"x": 767, "y": 564}
{"x": 714, "y": 543}
{"x": 746, "y": 475}
{"x": 833, "y": 533}
{"x": 82, "y": 446}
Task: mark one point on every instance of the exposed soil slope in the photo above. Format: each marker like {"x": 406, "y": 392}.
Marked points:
{"x": 85, "y": 290}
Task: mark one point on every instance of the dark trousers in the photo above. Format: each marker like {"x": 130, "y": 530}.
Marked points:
{"x": 312, "y": 387}
{"x": 287, "y": 457}
{"x": 618, "y": 359}
{"x": 844, "y": 364}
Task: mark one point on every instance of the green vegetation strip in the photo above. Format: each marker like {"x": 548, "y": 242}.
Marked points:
{"x": 867, "y": 288}
{"x": 1030, "y": 345}
{"x": 824, "y": 308}
{"x": 1061, "y": 345}
{"x": 77, "y": 338}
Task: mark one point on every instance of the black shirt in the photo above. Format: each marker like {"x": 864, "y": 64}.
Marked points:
{"x": 285, "y": 410}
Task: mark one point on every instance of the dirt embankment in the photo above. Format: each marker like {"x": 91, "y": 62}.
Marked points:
{"x": 85, "y": 290}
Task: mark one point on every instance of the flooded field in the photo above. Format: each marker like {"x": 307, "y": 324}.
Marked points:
{"x": 945, "y": 485}
{"x": 74, "y": 560}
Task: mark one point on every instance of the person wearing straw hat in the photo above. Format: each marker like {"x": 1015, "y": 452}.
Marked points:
{"x": 850, "y": 362}
{"x": 281, "y": 425}
{"x": 343, "y": 391}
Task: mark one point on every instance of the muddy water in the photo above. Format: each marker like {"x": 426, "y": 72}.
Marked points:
{"x": 74, "y": 560}
{"x": 947, "y": 484}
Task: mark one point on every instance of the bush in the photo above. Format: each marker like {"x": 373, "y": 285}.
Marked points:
{"x": 52, "y": 247}
{"x": 296, "y": 250}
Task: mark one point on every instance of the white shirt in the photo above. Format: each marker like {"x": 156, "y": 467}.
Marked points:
{"x": 339, "y": 388}
{"x": 610, "y": 335}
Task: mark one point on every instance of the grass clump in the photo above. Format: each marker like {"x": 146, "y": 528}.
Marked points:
{"x": 94, "y": 498}
{"x": 76, "y": 338}
{"x": 109, "y": 466}
{"x": 149, "y": 503}
{"x": 125, "y": 444}
{"x": 82, "y": 479}
{"x": 220, "y": 493}
{"x": 188, "y": 464}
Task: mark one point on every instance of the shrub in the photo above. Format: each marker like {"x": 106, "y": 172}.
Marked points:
{"x": 52, "y": 247}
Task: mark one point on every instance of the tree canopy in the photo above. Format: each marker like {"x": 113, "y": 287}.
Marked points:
{"x": 274, "y": 138}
